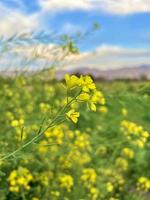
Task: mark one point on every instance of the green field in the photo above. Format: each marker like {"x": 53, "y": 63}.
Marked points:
{"x": 104, "y": 156}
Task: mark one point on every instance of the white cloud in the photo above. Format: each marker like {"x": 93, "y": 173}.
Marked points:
{"x": 104, "y": 57}
{"x": 15, "y": 22}
{"x": 108, "y": 50}
{"x": 55, "y": 5}
{"x": 47, "y": 52}
{"x": 107, "y": 57}
{"x": 120, "y": 7}
{"x": 71, "y": 28}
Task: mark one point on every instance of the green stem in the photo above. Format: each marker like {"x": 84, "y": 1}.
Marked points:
{"x": 34, "y": 139}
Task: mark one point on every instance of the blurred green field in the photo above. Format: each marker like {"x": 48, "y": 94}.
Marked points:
{"x": 95, "y": 159}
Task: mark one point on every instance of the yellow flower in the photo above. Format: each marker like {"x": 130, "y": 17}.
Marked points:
{"x": 139, "y": 143}
{"x": 101, "y": 150}
{"x": 35, "y": 198}
{"x": 44, "y": 107}
{"x": 89, "y": 92}
{"x": 124, "y": 112}
{"x": 145, "y": 134}
{"x": 45, "y": 178}
{"x": 93, "y": 106}
{"x": 20, "y": 179}
{"x": 94, "y": 193}
{"x": 87, "y": 83}
{"x": 82, "y": 141}
{"x": 71, "y": 81}
{"x": 122, "y": 164}
{"x": 143, "y": 184}
{"x": 97, "y": 98}
{"x": 89, "y": 176}
{"x": 109, "y": 187}
{"x": 113, "y": 198}
{"x": 42, "y": 147}
{"x": 55, "y": 193}
{"x": 103, "y": 109}
{"x": 73, "y": 115}
{"x": 14, "y": 188}
{"x": 84, "y": 96}
{"x": 66, "y": 181}
{"x": 15, "y": 123}
{"x": 134, "y": 133}
{"x": 129, "y": 153}
{"x": 55, "y": 135}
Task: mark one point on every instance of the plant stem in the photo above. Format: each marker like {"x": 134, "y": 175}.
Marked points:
{"x": 34, "y": 139}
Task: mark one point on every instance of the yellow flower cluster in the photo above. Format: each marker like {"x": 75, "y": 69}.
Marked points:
{"x": 45, "y": 178}
{"x": 85, "y": 82}
{"x": 113, "y": 178}
{"x": 35, "y": 198}
{"x": 42, "y": 146}
{"x": 16, "y": 123}
{"x": 20, "y": 179}
{"x": 89, "y": 179}
{"x": 55, "y": 135}
{"x": 109, "y": 187}
{"x": 122, "y": 164}
{"x": 93, "y": 193}
{"x": 55, "y": 194}
{"x": 134, "y": 133}
{"x": 127, "y": 153}
{"x": 113, "y": 198}
{"x": 49, "y": 90}
{"x": 88, "y": 93}
{"x": 66, "y": 182}
{"x": 89, "y": 176}
{"x": 52, "y": 137}
{"x": 143, "y": 184}
{"x": 44, "y": 107}
{"x": 83, "y": 165}
{"x": 75, "y": 156}
{"x": 9, "y": 115}
{"x": 101, "y": 150}
{"x": 79, "y": 148}
{"x": 82, "y": 141}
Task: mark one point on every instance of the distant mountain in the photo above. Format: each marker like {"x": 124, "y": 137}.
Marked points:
{"x": 139, "y": 72}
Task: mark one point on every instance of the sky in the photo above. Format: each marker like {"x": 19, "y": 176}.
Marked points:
{"x": 122, "y": 41}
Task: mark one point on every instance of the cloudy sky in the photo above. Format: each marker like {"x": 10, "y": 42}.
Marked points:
{"x": 123, "y": 40}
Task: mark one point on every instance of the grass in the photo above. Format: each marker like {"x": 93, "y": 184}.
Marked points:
{"x": 54, "y": 166}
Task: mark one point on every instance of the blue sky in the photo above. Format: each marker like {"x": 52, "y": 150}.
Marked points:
{"x": 125, "y": 26}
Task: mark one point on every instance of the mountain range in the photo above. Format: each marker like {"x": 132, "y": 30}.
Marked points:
{"x": 139, "y": 72}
